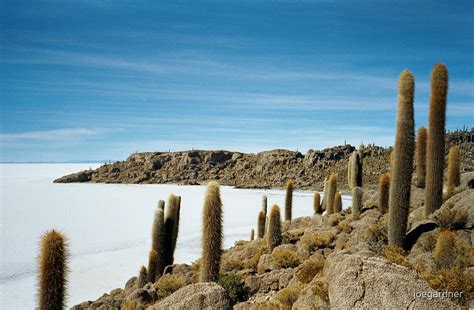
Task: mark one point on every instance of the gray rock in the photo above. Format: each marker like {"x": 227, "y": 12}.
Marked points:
{"x": 199, "y": 296}
{"x": 359, "y": 282}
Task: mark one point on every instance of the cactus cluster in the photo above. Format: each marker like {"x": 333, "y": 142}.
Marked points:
{"x": 436, "y": 139}
{"x": 399, "y": 196}
{"x": 212, "y": 234}
{"x": 52, "y": 271}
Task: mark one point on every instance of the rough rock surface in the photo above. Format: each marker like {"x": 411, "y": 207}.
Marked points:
{"x": 359, "y": 282}
{"x": 269, "y": 169}
{"x": 199, "y": 296}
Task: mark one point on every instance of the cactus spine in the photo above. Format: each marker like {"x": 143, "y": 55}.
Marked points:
{"x": 317, "y": 203}
{"x": 453, "y": 167}
{"x": 274, "y": 228}
{"x": 252, "y": 234}
{"x": 356, "y": 201}
{"x": 171, "y": 227}
{"x": 289, "y": 200}
{"x": 52, "y": 270}
{"x": 436, "y": 139}
{"x": 384, "y": 187}
{"x": 212, "y": 234}
{"x": 399, "y": 196}
{"x": 337, "y": 202}
{"x": 261, "y": 224}
{"x": 331, "y": 192}
{"x": 142, "y": 278}
{"x": 420, "y": 157}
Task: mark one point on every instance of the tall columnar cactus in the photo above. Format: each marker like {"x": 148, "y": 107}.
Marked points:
{"x": 436, "y": 140}
{"x": 53, "y": 270}
{"x": 317, "y": 203}
{"x": 252, "y": 234}
{"x": 325, "y": 194}
{"x": 331, "y": 192}
{"x": 161, "y": 205}
{"x": 361, "y": 152}
{"x": 454, "y": 167}
{"x": 274, "y": 228}
{"x": 158, "y": 240}
{"x": 152, "y": 264}
{"x": 399, "y": 196}
{"x": 264, "y": 204}
{"x": 261, "y": 224}
{"x": 355, "y": 170}
{"x": 171, "y": 227}
{"x": 142, "y": 278}
{"x": 384, "y": 187}
{"x": 337, "y": 202}
{"x": 289, "y": 200}
{"x": 212, "y": 234}
{"x": 357, "y": 194}
{"x": 420, "y": 157}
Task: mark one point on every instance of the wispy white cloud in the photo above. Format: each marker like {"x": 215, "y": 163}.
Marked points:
{"x": 51, "y": 135}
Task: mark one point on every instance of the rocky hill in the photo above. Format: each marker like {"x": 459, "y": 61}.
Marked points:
{"x": 269, "y": 169}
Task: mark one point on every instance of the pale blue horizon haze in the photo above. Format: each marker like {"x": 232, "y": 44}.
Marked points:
{"x": 99, "y": 80}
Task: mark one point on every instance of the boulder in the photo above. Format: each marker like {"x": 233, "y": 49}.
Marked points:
{"x": 416, "y": 231}
{"x": 359, "y": 282}
{"x": 199, "y": 296}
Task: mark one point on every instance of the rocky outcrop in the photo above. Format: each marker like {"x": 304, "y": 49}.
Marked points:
{"x": 359, "y": 282}
{"x": 199, "y": 296}
{"x": 269, "y": 169}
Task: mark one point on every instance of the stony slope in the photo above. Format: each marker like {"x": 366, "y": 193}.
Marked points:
{"x": 270, "y": 169}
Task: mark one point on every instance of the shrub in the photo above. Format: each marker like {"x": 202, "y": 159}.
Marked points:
{"x": 452, "y": 279}
{"x": 319, "y": 239}
{"x": 131, "y": 305}
{"x": 335, "y": 218}
{"x": 167, "y": 285}
{"x": 396, "y": 255}
{"x": 229, "y": 265}
{"x": 320, "y": 289}
{"x": 309, "y": 268}
{"x": 288, "y": 296}
{"x": 285, "y": 258}
{"x": 376, "y": 236}
{"x": 267, "y": 305}
{"x": 234, "y": 286}
{"x": 450, "y": 218}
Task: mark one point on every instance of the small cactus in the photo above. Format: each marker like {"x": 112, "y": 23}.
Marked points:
{"x": 289, "y": 200}
{"x": 420, "y": 157}
{"x": 337, "y": 202}
{"x": 357, "y": 194}
{"x": 355, "y": 170}
{"x": 142, "y": 278}
{"x": 325, "y": 194}
{"x": 274, "y": 228}
{"x": 261, "y": 224}
{"x": 212, "y": 234}
{"x": 454, "y": 167}
{"x": 317, "y": 203}
{"x": 152, "y": 266}
{"x": 384, "y": 186}
{"x": 53, "y": 270}
{"x": 252, "y": 234}
{"x": 331, "y": 192}
{"x": 436, "y": 139}
{"x": 400, "y": 183}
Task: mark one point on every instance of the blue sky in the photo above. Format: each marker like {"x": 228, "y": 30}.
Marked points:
{"x": 87, "y": 80}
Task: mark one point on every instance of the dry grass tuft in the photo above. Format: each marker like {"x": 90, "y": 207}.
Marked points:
{"x": 131, "y": 305}
{"x": 288, "y": 296}
{"x": 452, "y": 279}
{"x": 319, "y": 239}
{"x": 267, "y": 305}
{"x": 167, "y": 285}
{"x": 376, "y": 236}
{"x": 285, "y": 258}
{"x": 396, "y": 255}
{"x": 229, "y": 265}
{"x": 320, "y": 289}
{"x": 335, "y": 218}
{"x": 450, "y": 218}
{"x": 310, "y": 268}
